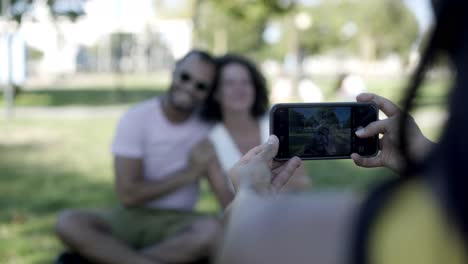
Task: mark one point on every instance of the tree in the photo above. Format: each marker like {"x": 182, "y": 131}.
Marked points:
{"x": 327, "y": 117}
{"x": 236, "y": 26}
{"x": 16, "y": 9}
{"x": 311, "y": 121}
{"x": 296, "y": 121}
{"x": 369, "y": 28}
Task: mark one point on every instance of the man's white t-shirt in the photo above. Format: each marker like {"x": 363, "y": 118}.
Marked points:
{"x": 144, "y": 132}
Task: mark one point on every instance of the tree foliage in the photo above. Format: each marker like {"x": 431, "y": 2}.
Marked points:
{"x": 296, "y": 119}
{"x": 16, "y": 9}
{"x": 241, "y": 23}
{"x": 367, "y": 28}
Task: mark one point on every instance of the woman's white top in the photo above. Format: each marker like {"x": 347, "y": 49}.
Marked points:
{"x": 226, "y": 149}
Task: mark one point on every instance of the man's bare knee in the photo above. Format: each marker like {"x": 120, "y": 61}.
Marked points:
{"x": 73, "y": 225}
{"x": 65, "y": 224}
{"x": 193, "y": 242}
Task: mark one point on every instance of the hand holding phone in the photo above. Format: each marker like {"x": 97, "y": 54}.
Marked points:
{"x": 257, "y": 169}
{"x": 323, "y": 130}
{"x": 389, "y": 155}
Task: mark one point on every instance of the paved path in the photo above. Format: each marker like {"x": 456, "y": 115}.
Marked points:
{"x": 69, "y": 112}
{"x": 425, "y": 118}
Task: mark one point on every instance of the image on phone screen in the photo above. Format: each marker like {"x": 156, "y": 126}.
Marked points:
{"x": 320, "y": 131}
{"x": 323, "y": 130}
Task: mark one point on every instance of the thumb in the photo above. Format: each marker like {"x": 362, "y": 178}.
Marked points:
{"x": 269, "y": 149}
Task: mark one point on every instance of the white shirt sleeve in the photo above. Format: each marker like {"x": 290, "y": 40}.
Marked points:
{"x": 128, "y": 140}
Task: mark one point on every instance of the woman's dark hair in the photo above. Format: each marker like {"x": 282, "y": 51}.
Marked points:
{"x": 211, "y": 110}
{"x": 450, "y": 157}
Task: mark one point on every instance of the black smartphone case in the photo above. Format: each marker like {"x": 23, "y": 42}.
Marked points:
{"x": 344, "y": 104}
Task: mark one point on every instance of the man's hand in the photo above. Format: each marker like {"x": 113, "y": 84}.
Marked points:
{"x": 389, "y": 155}
{"x": 134, "y": 190}
{"x": 200, "y": 157}
{"x": 257, "y": 169}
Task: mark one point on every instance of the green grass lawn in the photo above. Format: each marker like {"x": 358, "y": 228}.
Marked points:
{"x": 47, "y": 165}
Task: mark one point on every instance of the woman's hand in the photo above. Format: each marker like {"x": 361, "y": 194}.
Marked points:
{"x": 257, "y": 169}
{"x": 389, "y": 155}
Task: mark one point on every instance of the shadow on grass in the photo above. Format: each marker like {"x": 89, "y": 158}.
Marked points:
{"x": 41, "y": 189}
{"x": 32, "y": 195}
{"x": 85, "y": 96}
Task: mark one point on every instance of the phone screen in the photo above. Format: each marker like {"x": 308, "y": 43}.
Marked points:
{"x": 323, "y": 130}
{"x": 317, "y": 132}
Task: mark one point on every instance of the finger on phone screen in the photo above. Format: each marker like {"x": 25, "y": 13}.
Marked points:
{"x": 387, "y": 106}
{"x": 374, "y": 128}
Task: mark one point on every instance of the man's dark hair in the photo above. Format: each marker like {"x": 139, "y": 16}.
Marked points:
{"x": 204, "y": 55}
{"x": 211, "y": 110}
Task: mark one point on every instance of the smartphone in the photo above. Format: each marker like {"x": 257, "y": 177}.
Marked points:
{"x": 314, "y": 131}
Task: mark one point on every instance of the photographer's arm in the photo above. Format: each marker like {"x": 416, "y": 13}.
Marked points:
{"x": 285, "y": 229}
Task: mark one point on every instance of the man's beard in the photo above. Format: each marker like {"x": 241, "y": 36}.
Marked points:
{"x": 179, "y": 107}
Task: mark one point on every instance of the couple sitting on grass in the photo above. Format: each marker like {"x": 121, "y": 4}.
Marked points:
{"x": 214, "y": 112}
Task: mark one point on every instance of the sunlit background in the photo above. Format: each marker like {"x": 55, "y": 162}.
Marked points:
{"x": 70, "y": 68}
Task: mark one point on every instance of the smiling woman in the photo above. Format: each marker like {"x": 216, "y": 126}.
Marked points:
{"x": 238, "y": 104}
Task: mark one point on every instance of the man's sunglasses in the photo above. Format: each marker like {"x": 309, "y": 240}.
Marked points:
{"x": 200, "y": 86}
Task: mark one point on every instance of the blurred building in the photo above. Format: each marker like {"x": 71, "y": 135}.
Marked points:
{"x": 111, "y": 36}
